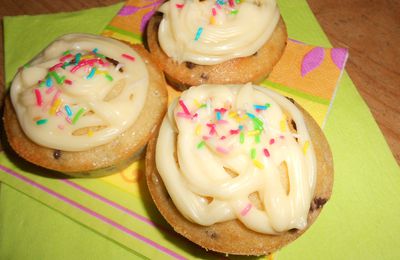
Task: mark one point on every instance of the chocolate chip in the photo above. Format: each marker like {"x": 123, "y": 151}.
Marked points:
{"x": 317, "y": 203}
{"x": 293, "y": 123}
{"x": 256, "y": 53}
{"x": 291, "y": 99}
{"x": 114, "y": 62}
{"x": 320, "y": 202}
{"x": 204, "y": 76}
{"x": 211, "y": 234}
{"x": 293, "y": 230}
{"x": 57, "y": 154}
{"x": 190, "y": 65}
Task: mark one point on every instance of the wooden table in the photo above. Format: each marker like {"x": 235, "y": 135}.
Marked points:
{"x": 369, "y": 29}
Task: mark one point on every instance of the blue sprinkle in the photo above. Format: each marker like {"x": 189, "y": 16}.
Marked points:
{"x": 49, "y": 82}
{"x": 68, "y": 110}
{"x": 240, "y": 127}
{"x": 251, "y": 115}
{"x": 260, "y": 107}
{"x": 95, "y": 50}
{"x": 91, "y": 74}
{"x": 218, "y": 116}
{"x": 199, "y": 31}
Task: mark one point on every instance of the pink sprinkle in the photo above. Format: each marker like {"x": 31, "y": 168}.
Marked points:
{"x": 68, "y": 120}
{"x": 180, "y": 6}
{"x": 272, "y": 141}
{"x": 39, "y": 100}
{"x": 85, "y": 63}
{"x": 212, "y": 129}
{"x": 180, "y": 114}
{"x": 184, "y": 107}
{"x": 231, "y": 3}
{"x": 64, "y": 58}
{"x": 266, "y": 152}
{"x": 58, "y": 65}
{"x": 67, "y": 81}
{"x": 221, "y": 110}
{"x": 282, "y": 137}
{"x": 222, "y": 122}
{"x": 222, "y": 150}
{"x": 218, "y": 6}
{"x": 49, "y": 90}
{"x": 223, "y": 137}
{"x": 129, "y": 57}
{"x": 234, "y": 132}
{"x": 56, "y": 96}
{"x": 214, "y": 12}
{"x": 205, "y": 138}
{"x": 59, "y": 113}
{"x": 246, "y": 210}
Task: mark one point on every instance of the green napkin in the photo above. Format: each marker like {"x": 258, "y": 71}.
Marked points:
{"x": 359, "y": 222}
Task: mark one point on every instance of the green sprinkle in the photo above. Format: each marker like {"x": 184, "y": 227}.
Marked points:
{"x": 201, "y": 144}
{"x": 100, "y": 55}
{"x": 257, "y": 139}
{"x": 267, "y": 105}
{"x": 41, "y": 121}
{"x": 56, "y": 77}
{"x": 27, "y": 65}
{"x": 66, "y": 52}
{"x": 258, "y": 123}
{"x": 241, "y": 138}
{"x": 78, "y": 115}
{"x": 234, "y": 11}
{"x": 108, "y": 76}
{"x": 203, "y": 106}
{"x": 253, "y": 153}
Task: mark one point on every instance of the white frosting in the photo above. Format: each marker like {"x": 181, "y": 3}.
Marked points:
{"x": 93, "y": 100}
{"x": 228, "y": 29}
{"x": 217, "y": 130}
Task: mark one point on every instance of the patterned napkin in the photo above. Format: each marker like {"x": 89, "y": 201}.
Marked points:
{"x": 45, "y": 217}
{"x": 306, "y": 73}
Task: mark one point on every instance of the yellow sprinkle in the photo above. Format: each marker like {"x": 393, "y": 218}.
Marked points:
{"x": 196, "y": 103}
{"x": 55, "y": 106}
{"x": 258, "y": 164}
{"x": 283, "y": 124}
{"x": 253, "y": 133}
{"x": 87, "y": 57}
{"x": 305, "y": 146}
{"x": 232, "y": 114}
{"x": 90, "y": 133}
{"x": 212, "y": 20}
{"x": 198, "y": 130}
{"x": 100, "y": 72}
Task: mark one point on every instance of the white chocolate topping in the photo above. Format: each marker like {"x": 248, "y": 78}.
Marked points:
{"x": 220, "y": 146}
{"x": 82, "y": 91}
{"x": 210, "y": 32}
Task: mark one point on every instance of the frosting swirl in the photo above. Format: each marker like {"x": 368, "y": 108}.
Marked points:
{"x": 210, "y": 32}
{"x": 80, "y": 92}
{"x": 227, "y": 152}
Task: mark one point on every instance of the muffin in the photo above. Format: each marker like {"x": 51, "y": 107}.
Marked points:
{"x": 82, "y": 106}
{"x": 216, "y": 42}
{"x": 239, "y": 169}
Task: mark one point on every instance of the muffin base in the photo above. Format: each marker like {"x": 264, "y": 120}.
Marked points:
{"x": 101, "y": 160}
{"x": 232, "y": 237}
{"x": 239, "y": 70}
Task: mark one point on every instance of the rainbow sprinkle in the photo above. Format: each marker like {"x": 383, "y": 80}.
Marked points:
{"x": 258, "y": 164}
{"x": 198, "y": 33}
{"x": 306, "y": 146}
{"x": 129, "y": 57}
{"x": 38, "y": 95}
{"x": 201, "y": 144}
{"x": 246, "y": 210}
{"x": 41, "y": 121}
{"x": 78, "y": 115}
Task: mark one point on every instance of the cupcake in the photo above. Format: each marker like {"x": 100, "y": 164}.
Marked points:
{"x": 239, "y": 169}
{"x": 82, "y": 106}
{"x": 216, "y": 42}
